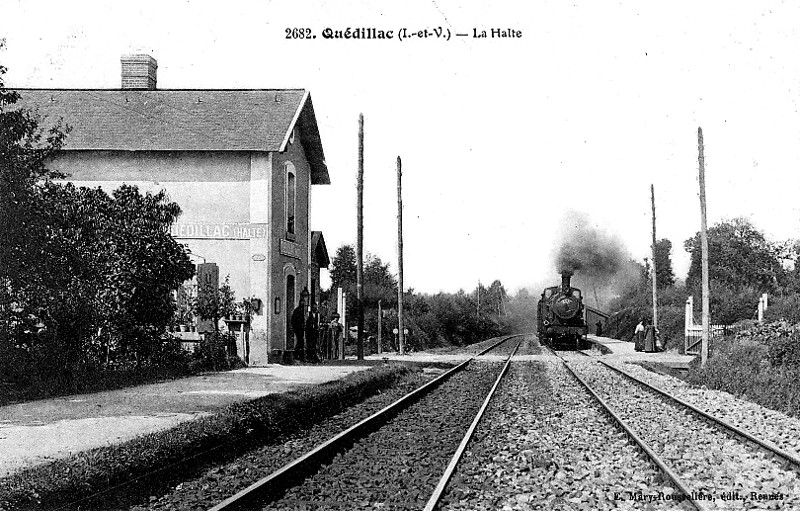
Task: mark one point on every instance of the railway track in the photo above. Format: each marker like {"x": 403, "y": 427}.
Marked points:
{"x": 712, "y": 464}
{"x": 401, "y": 457}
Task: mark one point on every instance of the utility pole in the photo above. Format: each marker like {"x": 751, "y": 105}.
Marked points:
{"x": 400, "y": 328}
{"x": 703, "y": 251}
{"x": 478, "y": 306}
{"x": 360, "y": 241}
{"x": 655, "y": 279}
{"x": 380, "y": 313}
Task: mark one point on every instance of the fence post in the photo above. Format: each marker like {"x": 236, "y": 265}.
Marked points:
{"x": 688, "y": 322}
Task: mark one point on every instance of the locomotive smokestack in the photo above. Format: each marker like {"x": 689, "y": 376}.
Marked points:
{"x": 565, "y": 280}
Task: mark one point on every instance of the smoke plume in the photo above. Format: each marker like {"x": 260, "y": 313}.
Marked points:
{"x": 601, "y": 263}
{"x": 584, "y": 250}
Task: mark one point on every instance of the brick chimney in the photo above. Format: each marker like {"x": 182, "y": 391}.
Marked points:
{"x": 139, "y": 72}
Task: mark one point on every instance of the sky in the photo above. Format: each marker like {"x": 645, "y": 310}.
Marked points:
{"x": 593, "y": 103}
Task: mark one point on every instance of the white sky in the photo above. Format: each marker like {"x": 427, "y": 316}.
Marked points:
{"x": 596, "y": 101}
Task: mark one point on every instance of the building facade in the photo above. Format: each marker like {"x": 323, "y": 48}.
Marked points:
{"x": 240, "y": 163}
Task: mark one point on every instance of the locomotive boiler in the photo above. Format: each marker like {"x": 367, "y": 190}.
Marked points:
{"x": 560, "y": 316}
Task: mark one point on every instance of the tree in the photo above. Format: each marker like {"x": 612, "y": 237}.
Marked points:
{"x": 739, "y": 256}
{"x": 379, "y": 283}
{"x": 665, "y": 276}
{"x": 82, "y": 273}
{"x": 343, "y": 268}
{"x": 114, "y": 268}
{"x": 24, "y": 149}
{"x": 496, "y": 296}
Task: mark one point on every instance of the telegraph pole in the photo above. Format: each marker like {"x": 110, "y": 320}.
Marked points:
{"x": 360, "y": 241}
{"x": 703, "y": 251}
{"x": 478, "y": 307}
{"x": 400, "y": 328}
{"x": 655, "y": 280}
{"x": 380, "y": 313}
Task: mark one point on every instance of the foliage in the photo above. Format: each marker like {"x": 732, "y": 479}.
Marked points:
{"x": 786, "y": 308}
{"x": 665, "y": 276}
{"x": 86, "y": 277}
{"x": 217, "y": 351}
{"x": 760, "y": 363}
{"x": 521, "y": 312}
{"x": 232, "y": 430}
{"x": 739, "y": 256}
{"x": 379, "y": 285}
{"x": 343, "y": 269}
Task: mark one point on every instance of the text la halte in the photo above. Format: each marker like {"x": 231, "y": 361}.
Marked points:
{"x": 497, "y": 33}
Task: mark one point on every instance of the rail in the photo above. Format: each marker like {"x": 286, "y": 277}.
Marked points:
{"x": 655, "y": 458}
{"x": 764, "y": 444}
{"x": 272, "y": 486}
{"x": 451, "y": 467}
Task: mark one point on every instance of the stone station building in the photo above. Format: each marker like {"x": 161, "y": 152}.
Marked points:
{"x": 240, "y": 163}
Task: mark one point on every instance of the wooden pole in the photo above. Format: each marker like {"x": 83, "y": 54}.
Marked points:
{"x": 402, "y": 338}
{"x": 360, "y": 241}
{"x": 380, "y": 313}
{"x": 703, "y": 251}
{"x": 655, "y": 276}
{"x": 478, "y": 306}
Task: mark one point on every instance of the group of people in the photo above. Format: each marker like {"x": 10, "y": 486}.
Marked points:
{"x": 315, "y": 339}
{"x": 645, "y": 337}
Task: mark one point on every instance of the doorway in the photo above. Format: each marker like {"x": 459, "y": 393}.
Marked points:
{"x": 288, "y": 312}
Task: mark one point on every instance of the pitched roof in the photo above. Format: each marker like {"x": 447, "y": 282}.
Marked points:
{"x": 183, "y": 120}
{"x": 596, "y": 311}
{"x": 318, "y": 249}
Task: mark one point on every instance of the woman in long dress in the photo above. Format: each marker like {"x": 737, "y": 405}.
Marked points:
{"x": 649, "y": 339}
{"x": 638, "y": 337}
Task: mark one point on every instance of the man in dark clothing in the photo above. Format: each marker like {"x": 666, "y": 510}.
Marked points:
{"x": 312, "y": 334}
{"x": 599, "y": 330}
{"x": 298, "y": 325}
{"x": 335, "y": 330}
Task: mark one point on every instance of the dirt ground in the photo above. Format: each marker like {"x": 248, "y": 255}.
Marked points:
{"x": 40, "y": 431}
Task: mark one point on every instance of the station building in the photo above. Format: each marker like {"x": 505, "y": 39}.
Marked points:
{"x": 240, "y": 163}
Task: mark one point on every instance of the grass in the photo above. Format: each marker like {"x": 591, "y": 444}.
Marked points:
{"x": 760, "y": 364}
{"x": 157, "y": 459}
{"x": 87, "y": 383}
{"x": 655, "y": 367}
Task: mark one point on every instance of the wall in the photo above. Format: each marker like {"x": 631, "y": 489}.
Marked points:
{"x": 209, "y": 187}
{"x": 293, "y": 257}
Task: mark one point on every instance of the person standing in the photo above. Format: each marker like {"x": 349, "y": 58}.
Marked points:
{"x": 312, "y": 334}
{"x": 638, "y": 333}
{"x": 335, "y": 329}
{"x": 650, "y": 339}
{"x": 298, "y": 325}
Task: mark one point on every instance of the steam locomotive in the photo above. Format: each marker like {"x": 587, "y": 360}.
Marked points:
{"x": 560, "y": 316}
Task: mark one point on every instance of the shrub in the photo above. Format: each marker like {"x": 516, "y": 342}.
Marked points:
{"x": 783, "y": 308}
{"x": 761, "y": 362}
{"x": 233, "y": 429}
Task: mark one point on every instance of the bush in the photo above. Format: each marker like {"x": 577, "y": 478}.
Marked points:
{"x": 761, "y": 362}
{"x": 234, "y": 429}
{"x": 783, "y": 308}
{"x": 670, "y": 326}
{"x": 216, "y": 351}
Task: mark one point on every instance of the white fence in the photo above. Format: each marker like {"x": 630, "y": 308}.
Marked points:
{"x": 693, "y": 333}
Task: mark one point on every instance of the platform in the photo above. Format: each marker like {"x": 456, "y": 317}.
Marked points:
{"x": 40, "y": 431}
{"x": 623, "y": 350}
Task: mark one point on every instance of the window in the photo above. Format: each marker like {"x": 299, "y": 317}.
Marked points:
{"x": 291, "y": 199}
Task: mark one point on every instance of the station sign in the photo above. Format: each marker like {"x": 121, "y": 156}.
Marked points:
{"x": 218, "y": 231}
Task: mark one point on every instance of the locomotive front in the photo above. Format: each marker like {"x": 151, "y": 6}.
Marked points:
{"x": 560, "y": 315}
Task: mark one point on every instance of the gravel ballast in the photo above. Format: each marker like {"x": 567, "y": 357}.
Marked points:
{"x": 704, "y": 456}
{"x": 222, "y": 481}
{"x": 777, "y": 427}
{"x": 545, "y": 444}
{"x": 398, "y": 466}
